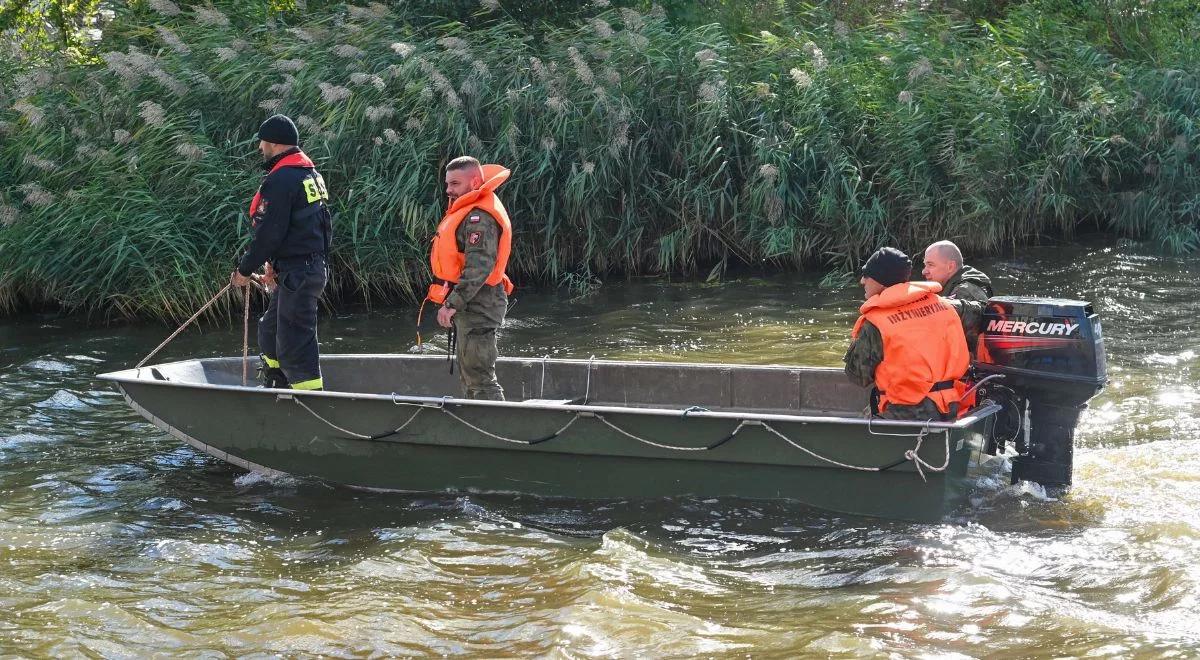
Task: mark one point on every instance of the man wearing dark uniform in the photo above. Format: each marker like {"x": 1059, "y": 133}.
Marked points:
{"x": 469, "y": 257}
{"x": 292, "y": 232}
{"x": 908, "y": 344}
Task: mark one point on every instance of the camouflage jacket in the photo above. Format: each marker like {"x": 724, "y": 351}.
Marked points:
{"x": 478, "y": 305}
{"x": 968, "y": 284}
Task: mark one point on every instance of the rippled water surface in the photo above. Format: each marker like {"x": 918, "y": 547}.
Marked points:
{"x": 115, "y": 540}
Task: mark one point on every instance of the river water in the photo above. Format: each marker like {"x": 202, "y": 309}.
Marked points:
{"x": 117, "y": 541}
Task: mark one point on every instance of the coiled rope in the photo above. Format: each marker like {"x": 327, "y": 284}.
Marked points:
{"x": 918, "y": 462}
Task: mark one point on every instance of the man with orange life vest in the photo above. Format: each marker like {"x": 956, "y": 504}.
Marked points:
{"x": 292, "y": 232}
{"x": 908, "y": 344}
{"x": 469, "y": 257}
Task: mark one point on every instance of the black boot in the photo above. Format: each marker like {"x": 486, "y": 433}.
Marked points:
{"x": 272, "y": 377}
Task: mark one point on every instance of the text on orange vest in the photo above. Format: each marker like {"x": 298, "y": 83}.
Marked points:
{"x": 924, "y": 348}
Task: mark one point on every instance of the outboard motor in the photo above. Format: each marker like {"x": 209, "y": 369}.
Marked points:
{"x": 1051, "y": 354}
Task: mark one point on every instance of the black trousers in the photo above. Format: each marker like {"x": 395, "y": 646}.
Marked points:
{"x": 287, "y": 331}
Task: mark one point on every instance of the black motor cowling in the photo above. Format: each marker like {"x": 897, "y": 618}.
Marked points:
{"x": 1051, "y": 354}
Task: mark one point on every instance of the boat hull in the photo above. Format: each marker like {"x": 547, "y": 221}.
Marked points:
{"x": 424, "y": 444}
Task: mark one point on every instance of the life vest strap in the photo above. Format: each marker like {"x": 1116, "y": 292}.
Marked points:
{"x": 940, "y": 386}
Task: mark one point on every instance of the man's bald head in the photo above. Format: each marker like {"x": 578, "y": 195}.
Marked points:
{"x": 942, "y": 260}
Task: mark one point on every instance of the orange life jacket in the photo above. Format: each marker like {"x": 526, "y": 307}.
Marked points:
{"x": 924, "y": 348}
{"x": 298, "y": 159}
{"x": 445, "y": 258}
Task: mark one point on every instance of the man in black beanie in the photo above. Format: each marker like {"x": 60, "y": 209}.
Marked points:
{"x": 292, "y": 230}
{"x": 908, "y": 344}
{"x": 887, "y": 267}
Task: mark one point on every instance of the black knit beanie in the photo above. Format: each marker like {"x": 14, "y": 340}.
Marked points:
{"x": 279, "y": 130}
{"x": 888, "y": 266}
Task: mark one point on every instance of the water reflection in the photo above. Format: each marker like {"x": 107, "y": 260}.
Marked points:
{"x": 117, "y": 541}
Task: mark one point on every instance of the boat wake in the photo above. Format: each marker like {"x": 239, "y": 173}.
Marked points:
{"x": 252, "y": 480}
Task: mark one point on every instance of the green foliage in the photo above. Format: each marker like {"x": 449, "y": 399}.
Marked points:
{"x": 39, "y": 26}
{"x": 641, "y": 142}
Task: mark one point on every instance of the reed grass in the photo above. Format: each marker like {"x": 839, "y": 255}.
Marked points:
{"x": 639, "y": 144}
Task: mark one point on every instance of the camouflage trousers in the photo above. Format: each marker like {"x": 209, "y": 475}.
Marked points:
{"x": 926, "y": 410}
{"x": 476, "y": 355}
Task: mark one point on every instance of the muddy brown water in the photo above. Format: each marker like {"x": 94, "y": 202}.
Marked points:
{"x": 118, "y": 541}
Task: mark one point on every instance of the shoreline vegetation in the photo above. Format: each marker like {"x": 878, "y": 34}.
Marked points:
{"x": 685, "y": 139}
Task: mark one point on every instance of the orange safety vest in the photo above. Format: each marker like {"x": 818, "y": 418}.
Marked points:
{"x": 924, "y": 348}
{"x": 446, "y": 260}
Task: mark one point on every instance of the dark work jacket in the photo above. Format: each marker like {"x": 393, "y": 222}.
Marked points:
{"x": 285, "y": 224}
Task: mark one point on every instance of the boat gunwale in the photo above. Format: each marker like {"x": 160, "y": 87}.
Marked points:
{"x": 133, "y": 375}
